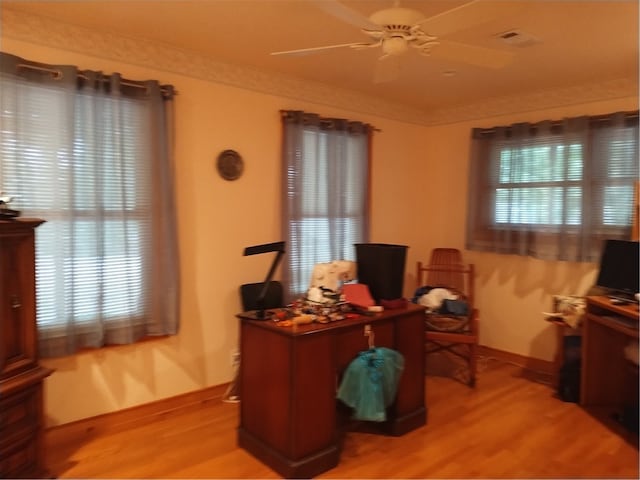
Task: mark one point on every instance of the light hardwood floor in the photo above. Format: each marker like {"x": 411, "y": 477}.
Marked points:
{"x": 509, "y": 426}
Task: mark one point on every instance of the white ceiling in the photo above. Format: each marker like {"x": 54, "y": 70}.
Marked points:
{"x": 580, "y": 42}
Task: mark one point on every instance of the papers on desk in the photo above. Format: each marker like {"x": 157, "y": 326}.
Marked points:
{"x": 568, "y": 309}
{"x": 558, "y": 319}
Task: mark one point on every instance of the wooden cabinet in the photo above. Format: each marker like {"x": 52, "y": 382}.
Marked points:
{"x": 289, "y": 377}
{"x": 635, "y": 227}
{"x": 21, "y": 376}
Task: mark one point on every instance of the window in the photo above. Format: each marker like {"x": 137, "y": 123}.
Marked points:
{"x": 553, "y": 190}
{"x": 326, "y": 175}
{"x": 91, "y": 158}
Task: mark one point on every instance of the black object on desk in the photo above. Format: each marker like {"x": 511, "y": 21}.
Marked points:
{"x": 268, "y": 290}
{"x": 8, "y": 213}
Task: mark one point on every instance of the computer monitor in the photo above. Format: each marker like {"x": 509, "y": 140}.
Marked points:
{"x": 619, "y": 271}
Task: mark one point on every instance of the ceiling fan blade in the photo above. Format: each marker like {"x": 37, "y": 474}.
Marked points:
{"x": 346, "y": 14}
{"x": 306, "y": 51}
{"x": 387, "y": 69}
{"x": 471, "y": 54}
{"x": 468, "y": 15}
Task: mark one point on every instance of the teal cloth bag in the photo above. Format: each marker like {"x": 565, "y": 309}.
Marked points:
{"x": 370, "y": 383}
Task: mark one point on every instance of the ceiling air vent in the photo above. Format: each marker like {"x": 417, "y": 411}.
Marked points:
{"x": 518, "y": 38}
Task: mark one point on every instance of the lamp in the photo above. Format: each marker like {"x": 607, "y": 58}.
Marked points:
{"x": 257, "y": 250}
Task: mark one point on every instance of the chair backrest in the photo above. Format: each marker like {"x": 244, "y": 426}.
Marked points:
{"x": 448, "y": 273}
{"x": 446, "y": 269}
{"x": 445, "y": 256}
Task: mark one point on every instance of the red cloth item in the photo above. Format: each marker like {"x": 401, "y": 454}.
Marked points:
{"x": 357, "y": 294}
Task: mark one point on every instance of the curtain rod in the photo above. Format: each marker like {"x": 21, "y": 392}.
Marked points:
{"x": 284, "y": 113}
{"x": 58, "y": 75}
{"x": 558, "y": 123}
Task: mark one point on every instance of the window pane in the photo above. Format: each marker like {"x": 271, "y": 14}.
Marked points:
{"x": 616, "y": 202}
{"x": 538, "y": 206}
{"x": 555, "y": 163}
{"x": 574, "y": 163}
{"x": 316, "y": 236}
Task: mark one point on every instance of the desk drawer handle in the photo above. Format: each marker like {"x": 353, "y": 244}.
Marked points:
{"x": 368, "y": 332}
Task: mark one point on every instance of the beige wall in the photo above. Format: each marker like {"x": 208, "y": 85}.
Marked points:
{"x": 419, "y": 185}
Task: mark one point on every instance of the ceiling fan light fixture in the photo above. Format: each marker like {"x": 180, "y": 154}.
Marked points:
{"x": 394, "y": 30}
{"x": 394, "y": 46}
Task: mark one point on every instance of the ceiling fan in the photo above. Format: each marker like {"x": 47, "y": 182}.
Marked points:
{"x": 397, "y": 29}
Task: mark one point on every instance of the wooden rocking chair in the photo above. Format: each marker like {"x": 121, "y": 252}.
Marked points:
{"x": 457, "y": 334}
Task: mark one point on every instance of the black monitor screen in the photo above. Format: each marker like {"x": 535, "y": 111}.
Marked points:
{"x": 619, "y": 269}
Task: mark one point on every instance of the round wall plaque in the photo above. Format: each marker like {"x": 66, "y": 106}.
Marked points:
{"x": 230, "y": 165}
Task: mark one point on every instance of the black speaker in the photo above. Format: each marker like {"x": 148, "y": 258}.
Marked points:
{"x": 381, "y": 267}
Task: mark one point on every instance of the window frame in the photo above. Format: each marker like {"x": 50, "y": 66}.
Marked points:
{"x": 92, "y": 155}
{"x": 304, "y": 131}
{"x": 483, "y": 225}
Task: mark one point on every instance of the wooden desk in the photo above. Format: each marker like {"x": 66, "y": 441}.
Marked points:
{"x": 606, "y": 374}
{"x": 288, "y": 381}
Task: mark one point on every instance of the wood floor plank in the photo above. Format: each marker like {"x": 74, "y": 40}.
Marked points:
{"x": 509, "y": 426}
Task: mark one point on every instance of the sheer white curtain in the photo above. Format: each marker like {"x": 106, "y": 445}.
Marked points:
{"x": 554, "y": 190}
{"x": 326, "y": 192}
{"x": 91, "y": 154}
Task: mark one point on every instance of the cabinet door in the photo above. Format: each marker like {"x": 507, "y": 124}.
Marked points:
{"x": 18, "y": 341}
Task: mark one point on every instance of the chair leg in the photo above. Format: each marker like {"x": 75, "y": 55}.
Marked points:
{"x": 468, "y": 353}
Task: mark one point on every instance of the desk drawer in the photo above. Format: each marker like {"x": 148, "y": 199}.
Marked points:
{"x": 19, "y": 415}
